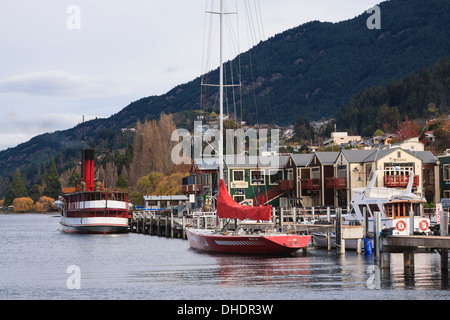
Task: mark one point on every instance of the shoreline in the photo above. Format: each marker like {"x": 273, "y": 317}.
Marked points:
{"x": 5, "y": 213}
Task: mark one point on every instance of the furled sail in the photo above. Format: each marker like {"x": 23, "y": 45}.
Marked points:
{"x": 228, "y": 208}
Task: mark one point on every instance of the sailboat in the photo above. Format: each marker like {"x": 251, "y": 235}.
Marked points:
{"x": 240, "y": 241}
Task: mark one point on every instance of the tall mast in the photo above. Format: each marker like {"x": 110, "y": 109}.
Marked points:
{"x": 221, "y": 93}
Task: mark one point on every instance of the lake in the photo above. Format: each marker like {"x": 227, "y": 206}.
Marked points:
{"x": 40, "y": 262}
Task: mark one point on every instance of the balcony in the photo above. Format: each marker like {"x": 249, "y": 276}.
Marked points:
{"x": 311, "y": 184}
{"x": 337, "y": 183}
{"x": 286, "y": 185}
{"x": 192, "y": 188}
{"x": 399, "y": 181}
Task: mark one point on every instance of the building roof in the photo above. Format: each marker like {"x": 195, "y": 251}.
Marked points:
{"x": 302, "y": 160}
{"x": 327, "y": 157}
{"x": 357, "y": 155}
{"x": 204, "y": 164}
{"x": 425, "y": 156}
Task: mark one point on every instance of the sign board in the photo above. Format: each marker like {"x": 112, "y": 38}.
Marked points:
{"x": 438, "y": 212}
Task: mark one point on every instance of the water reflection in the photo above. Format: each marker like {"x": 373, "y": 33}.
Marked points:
{"x": 322, "y": 270}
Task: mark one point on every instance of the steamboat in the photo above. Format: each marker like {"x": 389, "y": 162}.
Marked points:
{"x": 90, "y": 207}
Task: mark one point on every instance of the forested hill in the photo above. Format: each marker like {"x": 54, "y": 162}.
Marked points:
{"x": 315, "y": 68}
{"x": 425, "y": 95}
{"x": 311, "y": 70}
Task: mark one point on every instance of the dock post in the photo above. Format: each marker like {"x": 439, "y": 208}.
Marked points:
{"x": 377, "y": 231}
{"x": 411, "y": 223}
{"x": 358, "y": 246}
{"x": 172, "y": 231}
{"x": 365, "y": 221}
{"x": 166, "y": 228}
{"x": 340, "y": 242}
{"x": 150, "y": 227}
{"x": 183, "y": 228}
{"x": 158, "y": 227}
{"x": 281, "y": 218}
{"x": 444, "y": 223}
{"x": 328, "y": 232}
{"x": 408, "y": 262}
{"x": 444, "y": 260}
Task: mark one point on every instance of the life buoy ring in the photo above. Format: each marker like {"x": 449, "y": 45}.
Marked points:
{"x": 401, "y": 225}
{"x": 423, "y": 225}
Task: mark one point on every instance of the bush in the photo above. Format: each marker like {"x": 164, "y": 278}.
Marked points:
{"x": 23, "y": 204}
{"x": 45, "y": 204}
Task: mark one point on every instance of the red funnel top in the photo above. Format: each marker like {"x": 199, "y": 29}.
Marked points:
{"x": 228, "y": 208}
{"x": 88, "y": 168}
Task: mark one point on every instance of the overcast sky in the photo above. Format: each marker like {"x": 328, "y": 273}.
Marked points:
{"x": 63, "y": 59}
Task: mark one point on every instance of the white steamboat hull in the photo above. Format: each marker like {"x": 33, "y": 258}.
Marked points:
{"x": 99, "y": 225}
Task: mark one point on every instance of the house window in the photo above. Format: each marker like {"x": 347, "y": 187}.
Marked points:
{"x": 275, "y": 176}
{"x": 239, "y": 198}
{"x": 238, "y": 175}
{"x": 257, "y": 177}
{"x": 446, "y": 172}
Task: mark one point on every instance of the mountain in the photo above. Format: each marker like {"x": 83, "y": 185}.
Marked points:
{"x": 311, "y": 70}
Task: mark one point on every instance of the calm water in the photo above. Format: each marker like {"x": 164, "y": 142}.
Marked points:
{"x": 35, "y": 256}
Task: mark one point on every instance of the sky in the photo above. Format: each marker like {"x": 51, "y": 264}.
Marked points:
{"x": 60, "y": 60}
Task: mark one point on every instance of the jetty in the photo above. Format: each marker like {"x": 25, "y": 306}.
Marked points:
{"x": 291, "y": 221}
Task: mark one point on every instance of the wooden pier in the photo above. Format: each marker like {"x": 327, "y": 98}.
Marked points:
{"x": 168, "y": 226}
{"x": 290, "y": 221}
{"x": 408, "y": 245}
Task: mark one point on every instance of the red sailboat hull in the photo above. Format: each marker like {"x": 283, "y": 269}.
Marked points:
{"x": 276, "y": 244}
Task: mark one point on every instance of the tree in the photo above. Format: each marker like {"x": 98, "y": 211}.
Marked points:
{"x": 121, "y": 182}
{"x": 17, "y": 190}
{"x": 53, "y": 185}
{"x": 35, "y": 192}
{"x": 73, "y": 178}
{"x": 45, "y": 204}
{"x": 303, "y": 129}
{"x": 147, "y": 185}
{"x": 23, "y": 204}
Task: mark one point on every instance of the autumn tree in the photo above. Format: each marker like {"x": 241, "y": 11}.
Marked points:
{"x": 45, "y": 204}
{"x": 23, "y": 204}
{"x": 152, "y": 148}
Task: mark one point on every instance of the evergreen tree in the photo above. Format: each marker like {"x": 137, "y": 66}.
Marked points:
{"x": 73, "y": 178}
{"x": 17, "y": 190}
{"x": 121, "y": 182}
{"x": 53, "y": 187}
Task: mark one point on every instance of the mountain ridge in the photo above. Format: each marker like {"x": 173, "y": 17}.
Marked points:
{"x": 310, "y": 70}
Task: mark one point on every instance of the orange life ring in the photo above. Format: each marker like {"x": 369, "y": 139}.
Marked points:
{"x": 401, "y": 225}
{"x": 423, "y": 225}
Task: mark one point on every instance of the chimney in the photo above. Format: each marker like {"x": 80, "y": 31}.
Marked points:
{"x": 88, "y": 168}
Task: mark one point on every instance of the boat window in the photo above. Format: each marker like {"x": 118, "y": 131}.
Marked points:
{"x": 399, "y": 210}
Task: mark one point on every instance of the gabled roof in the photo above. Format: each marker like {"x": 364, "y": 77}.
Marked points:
{"x": 380, "y": 153}
{"x": 425, "y": 156}
{"x": 357, "y": 155}
{"x": 302, "y": 160}
{"x": 327, "y": 157}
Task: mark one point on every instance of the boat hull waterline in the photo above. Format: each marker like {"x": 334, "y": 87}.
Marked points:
{"x": 271, "y": 244}
{"x": 101, "y": 225}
